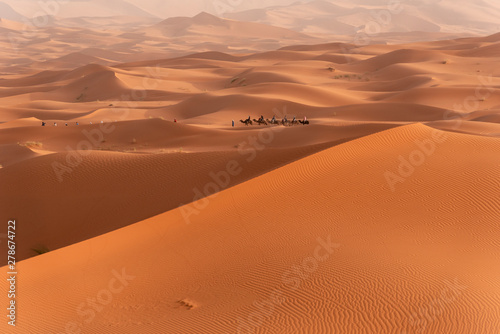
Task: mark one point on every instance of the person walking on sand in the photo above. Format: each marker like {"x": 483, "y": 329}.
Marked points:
{"x": 232, "y": 123}
{"x": 43, "y": 123}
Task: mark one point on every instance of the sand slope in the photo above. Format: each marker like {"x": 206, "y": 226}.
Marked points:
{"x": 393, "y": 265}
{"x": 399, "y": 166}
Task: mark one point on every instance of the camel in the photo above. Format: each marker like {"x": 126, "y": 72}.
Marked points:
{"x": 273, "y": 121}
{"x": 260, "y": 121}
{"x": 304, "y": 122}
{"x": 247, "y": 122}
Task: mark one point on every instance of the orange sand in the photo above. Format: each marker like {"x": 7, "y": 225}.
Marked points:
{"x": 381, "y": 216}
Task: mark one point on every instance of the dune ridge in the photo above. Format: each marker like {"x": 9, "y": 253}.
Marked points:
{"x": 321, "y": 303}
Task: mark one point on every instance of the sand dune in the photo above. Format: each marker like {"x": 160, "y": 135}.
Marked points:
{"x": 86, "y": 89}
{"x": 483, "y": 126}
{"x": 220, "y": 225}
{"x": 492, "y": 118}
{"x": 185, "y": 274}
{"x": 97, "y": 172}
{"x": 209, "y": 29}
{"x": 406, "y": 83}
{"x": 486, "y": 51}
{"x": 117, "y": 23}
{"x": 15, "y": 153}
{"x": 7, "y": 12}
{"x": 400, "y": 56}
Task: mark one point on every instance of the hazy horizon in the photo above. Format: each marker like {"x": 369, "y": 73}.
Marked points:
{"x": 158, "y": 8}
{"x": 326, "y": 17}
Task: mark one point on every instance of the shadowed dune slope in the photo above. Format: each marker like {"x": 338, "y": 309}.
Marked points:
{"x": 64, "y": 198}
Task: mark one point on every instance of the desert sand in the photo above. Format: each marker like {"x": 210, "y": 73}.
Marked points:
{"x": 153, "y": 214}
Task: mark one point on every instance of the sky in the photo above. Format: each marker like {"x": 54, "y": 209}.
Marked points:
{"x": 159, "y": 8}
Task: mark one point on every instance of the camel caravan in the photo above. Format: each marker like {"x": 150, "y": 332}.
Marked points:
{"x": 274, "y": 121}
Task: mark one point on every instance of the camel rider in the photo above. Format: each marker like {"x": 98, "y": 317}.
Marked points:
{"x": 274, "y": 119}
{"x": 305, "y": 118}
{"x": 294, "y": 119}
{"x": 261, "y": 118}
{"x": 286, "y": 120}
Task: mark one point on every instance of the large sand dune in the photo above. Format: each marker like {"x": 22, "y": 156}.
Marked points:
{"x": 393, "y": 264}
{"x": 380, "y": 216}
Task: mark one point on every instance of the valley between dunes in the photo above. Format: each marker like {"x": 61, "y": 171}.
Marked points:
{"x": 380, "y": 216}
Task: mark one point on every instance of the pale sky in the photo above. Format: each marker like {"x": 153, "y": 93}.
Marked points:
{"x": 160, "y": 8}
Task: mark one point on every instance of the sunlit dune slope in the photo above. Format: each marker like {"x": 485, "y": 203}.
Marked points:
{"x": 321, "y": 245}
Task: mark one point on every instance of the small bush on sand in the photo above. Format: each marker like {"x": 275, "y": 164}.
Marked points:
{"x": 40, "y": 250}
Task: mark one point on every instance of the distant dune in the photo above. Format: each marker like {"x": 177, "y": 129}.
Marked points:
{"x": 211, "y": 25}
{"x": 7, "y": 12}
{"x": 121, "y": 33}
{"x": 342, "y": 17}
{"x": 119, "y": 39}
